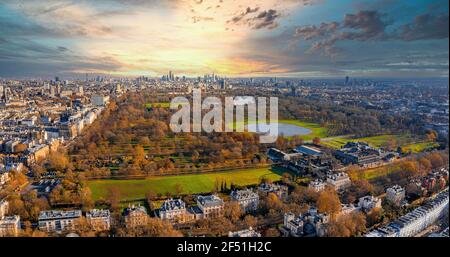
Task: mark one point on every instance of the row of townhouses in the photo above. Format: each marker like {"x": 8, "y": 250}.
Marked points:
{"x": 415, "y": 221}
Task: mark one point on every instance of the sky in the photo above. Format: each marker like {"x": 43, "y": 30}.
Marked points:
{"x": 233, "y": 38}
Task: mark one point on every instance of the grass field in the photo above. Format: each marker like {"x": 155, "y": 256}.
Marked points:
{"x": 419, "y": 147}
{"x": 373, "y": 173}
{"x": 191, "y": 184}
{"x": 408, "y": 142}
{"x": 159, "y": 105}
{"x": 316, "y": 129}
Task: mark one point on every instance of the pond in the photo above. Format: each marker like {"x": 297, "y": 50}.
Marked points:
{"x": 287, "y": 130}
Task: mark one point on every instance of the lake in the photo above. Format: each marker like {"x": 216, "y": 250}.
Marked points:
{"x": 287, "y": 130}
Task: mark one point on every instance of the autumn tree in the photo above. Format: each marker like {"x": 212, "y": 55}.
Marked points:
{"x": 233, "y": 211}
{"x": 347, "y": 226}
{"x": 425, "y": 164}
{"x": 195, "y": 155}
{"x": 303, "y": 195}
{"x": 86, "y": 198}
{"x": 374, "y": 216}
{"x": 436, "y": 160}
{"x": 316, "y": 140}
{"x": 58, "y": 161}
{"x": 328, "y": 202}
{"x": 431, "y": 135}
{"x": 272, "y": 232}
{"x": 114, "y": 198}
{"x": 139, "y": 155}
{"x": 178, "y": 189}
{"x": 20, "y": 148}
{"x": 250, "y": 221}
{"x": 272, "y": 202}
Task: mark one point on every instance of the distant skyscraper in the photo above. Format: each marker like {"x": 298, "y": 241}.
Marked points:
{"x": 80, "y": 90}
{"x": 6, "y": 94}
{"x": 171, "y": 76}
{"x": 223, "y": 84}
{"x": 347, "y": 80}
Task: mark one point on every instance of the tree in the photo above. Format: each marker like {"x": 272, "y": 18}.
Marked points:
{"x": 144, "y": 140}
{"x": 303, "y": 195}
{"x": 250, "y": 221}
{"x": 159, "y": 228}
{"x": 84, "y": 229}
{"x": 150, "y": 196}
{"x": 86, "y": 199}
{"x": 20, "y": 148}
{"x": 38, "y": 170}
{"x": 216, "y": 186}
{"x": 316, "y": 140}
{"x": 286, "y": 177}
{"x": 431, "y": 135}
{"x": 436, "y": 160}
{"x": 58, "y": 161}
{"x": 139, "y": 155}
{"x": 195, "y": 155}
{"x": 348, "y": 225}
{"x": 265, "y": 180}
{"x": 114, "y": 198}
{"x": 178, "y": 189}
{"x": 233, "y": 211}
{"x": 374, "y": 216}
{"x": 328, "y": 202}
{"x": 425, "y": 164}
{"x": 272, "y": 232}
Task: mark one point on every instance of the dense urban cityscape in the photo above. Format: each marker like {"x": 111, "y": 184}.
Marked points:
{"x": 87, "y": 106}
{"x": 66, "y": 171}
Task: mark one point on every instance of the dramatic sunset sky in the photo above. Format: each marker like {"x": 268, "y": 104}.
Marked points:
{"x": 298, "y": 38}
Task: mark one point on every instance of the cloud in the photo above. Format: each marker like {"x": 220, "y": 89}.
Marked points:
{"x": 197, "y": 19}
{"x": 63, "y": 49}
{"x": 239, "y": 17}
{"x": 266, "y": 19}
{"x": 312, "y": 31}
{"x": 148, "y": 37}
{"x": 426, "y": 26}
{"x": 371, "y": 26}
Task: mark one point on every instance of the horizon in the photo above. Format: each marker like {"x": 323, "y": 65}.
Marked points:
{"x": 132, "y": 77}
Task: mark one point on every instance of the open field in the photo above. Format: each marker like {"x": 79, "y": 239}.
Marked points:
{"x": 408, "y": 142}
{"x": 316, "y": 129}
{"x": 419, "y": 147}
{"x": 370, "y": 174}
{"x": 159, "y": 105}
{"x": 191, "y": 184}
{"x": 154, "y": 105}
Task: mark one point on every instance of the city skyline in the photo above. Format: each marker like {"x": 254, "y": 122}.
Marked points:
{"x": 290, "y": 38}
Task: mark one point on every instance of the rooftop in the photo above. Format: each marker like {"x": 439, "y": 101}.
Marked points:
{"x": 96, "y": 213}
{"x": 173, "y": 204}
{"x": 54, "y": 214}
{"x": 209, "y": 200}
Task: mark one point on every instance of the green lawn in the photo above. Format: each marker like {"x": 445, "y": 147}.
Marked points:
{"x": 316, "y": 129}
{"x": 373, "y": 173}
{"x": 334, "y": 143}
{"x": 408, "y": 142}
{"x": 419, "y": 147}
{"x": 160, "y": 105}
{"x": 191, "y": 184}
